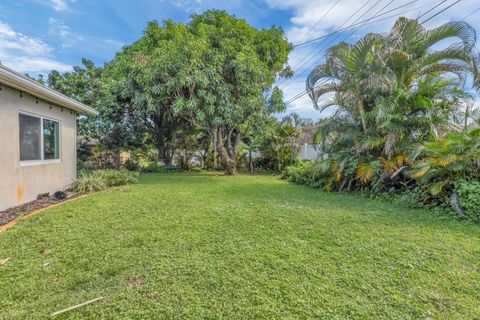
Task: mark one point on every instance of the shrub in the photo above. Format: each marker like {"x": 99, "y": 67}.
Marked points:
{"x": 115, "y": 178}
{"x": 89, "y": 182}
{"x": 131, "y": 165}
{"x": 301, "y": 173}
{"x": 102, "y": 179}
{"x": 469, "y": 195}
{"x": 152, "y": 167}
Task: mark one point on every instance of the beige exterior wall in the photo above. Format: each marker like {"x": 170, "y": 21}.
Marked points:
{"x": 22, "y": 182}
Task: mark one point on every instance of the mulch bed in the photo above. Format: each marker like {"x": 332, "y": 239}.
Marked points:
{"x": 11, "y": 214}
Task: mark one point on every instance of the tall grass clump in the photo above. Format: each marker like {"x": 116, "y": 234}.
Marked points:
{"x": 102, "y": 179}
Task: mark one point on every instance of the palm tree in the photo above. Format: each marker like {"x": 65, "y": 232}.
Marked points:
{"x": 440, "y": 162}
{"x": 388, "y": 91}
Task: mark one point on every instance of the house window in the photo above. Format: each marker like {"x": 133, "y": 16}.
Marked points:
{"x": 39, "y": 138}
{"x": 30, "y": 139}
{"x": 50, "y": 139}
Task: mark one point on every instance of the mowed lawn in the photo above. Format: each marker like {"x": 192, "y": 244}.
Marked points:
{"x": 248, "y": 247}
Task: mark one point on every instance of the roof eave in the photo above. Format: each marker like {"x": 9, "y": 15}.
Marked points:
{"x": 20, "y": 82}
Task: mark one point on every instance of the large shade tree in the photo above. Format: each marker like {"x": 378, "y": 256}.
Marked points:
{"x": 157, "y": 71}
{"x": 238, "y": 66}
{"x": 212, "y": 73}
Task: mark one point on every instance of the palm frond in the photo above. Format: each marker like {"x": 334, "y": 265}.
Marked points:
{"x": 361, "y": 53}
{"x": 364, "y": 173}
{"x": 455, "y": 29}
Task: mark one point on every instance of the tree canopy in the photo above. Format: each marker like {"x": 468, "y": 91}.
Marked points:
{"x": 214, "y": 73}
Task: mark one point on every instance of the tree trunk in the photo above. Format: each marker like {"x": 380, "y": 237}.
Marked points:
{"x": 228, "y": 157}
{"x": 163, "y": 139}
{"x": 116, "y": 159}
{"x": 164, "y": 150}
{"x": 250, "y": 161}
{"x": 456, "y": 205}
{"x": 168, "y": 155}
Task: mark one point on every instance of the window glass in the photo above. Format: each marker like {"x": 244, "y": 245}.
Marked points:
{"x": 50, "y": 140}
{"x": 30, "y": 138}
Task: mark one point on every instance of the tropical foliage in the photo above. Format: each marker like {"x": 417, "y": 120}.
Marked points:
{"x": 401, "y": 113}
{"x": 211, "y": 74}
{"x": 184, "y": 87}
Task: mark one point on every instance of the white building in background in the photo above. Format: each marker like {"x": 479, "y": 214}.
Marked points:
{"x": 309, "y": 151}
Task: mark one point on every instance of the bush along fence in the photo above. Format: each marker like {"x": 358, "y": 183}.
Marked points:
{"x": 458, "y": 195}
{"x": 402, "y": 125}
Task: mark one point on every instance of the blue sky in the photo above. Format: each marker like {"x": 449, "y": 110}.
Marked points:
{"x": 39, "y": 35}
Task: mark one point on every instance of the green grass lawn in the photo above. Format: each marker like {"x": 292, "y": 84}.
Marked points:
{"x": 245, "y": 247}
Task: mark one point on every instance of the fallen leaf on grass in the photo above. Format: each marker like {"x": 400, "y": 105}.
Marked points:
{"x": 3, "y": 261}
{"x": 46, "y": 250}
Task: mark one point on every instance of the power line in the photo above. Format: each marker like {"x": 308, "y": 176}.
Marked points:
{"x": 301, "y": 94}
{"x": 361, "y": 22}
{"x": 336, "y": 37}
{"x": 298, "y": 75}
{"x": 471, "y": 14}
{"x": 298, "y": 96}
{"x": 443, "y": 10}
{"x": 313, "y": 50}
{"x": 431, "y": 9}
{"x": 320, "y": 20}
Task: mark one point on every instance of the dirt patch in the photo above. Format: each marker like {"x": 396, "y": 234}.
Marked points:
{"x": 11, "y": 214}
{"x": 136, "y": 282}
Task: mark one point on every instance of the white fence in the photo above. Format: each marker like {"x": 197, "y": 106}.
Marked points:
{"x": 309, "y": 151}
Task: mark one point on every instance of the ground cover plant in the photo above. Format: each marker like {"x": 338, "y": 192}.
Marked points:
{"x": 250, "y": 247}
{"x": 98, "y": 180}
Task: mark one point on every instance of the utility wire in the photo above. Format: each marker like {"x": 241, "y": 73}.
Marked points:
{"x": 361, "y": 22}
{"x": 320, "y": 20}
{"x": 313, "y": 50}
{"x": 443, "y": 10}
{"x": 298, "y": 96}
{"x": 471, "y": 14}
{"x": 431, "y": 9}
{"x": 332, "y": 40}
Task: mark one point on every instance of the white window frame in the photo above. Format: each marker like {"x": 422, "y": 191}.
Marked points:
{"x": 26, "y": 163}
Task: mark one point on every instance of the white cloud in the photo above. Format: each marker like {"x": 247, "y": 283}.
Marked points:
{"x": 9, "y": 39}
{"x": 58, "y": 5}
{"x": 26, "y": 54}
{"x": 36, "y": 64}
{"x": 61, "y": 5}
{"x": 58, "y": 29}
{"x": 189, "y": 6}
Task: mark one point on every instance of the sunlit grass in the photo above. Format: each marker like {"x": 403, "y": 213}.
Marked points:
{"x": 208, "y": 246}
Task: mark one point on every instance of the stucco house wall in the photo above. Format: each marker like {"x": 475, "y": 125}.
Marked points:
{"x": 21, "y": 182}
